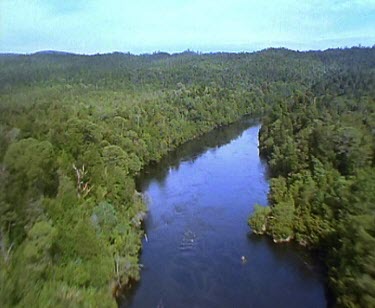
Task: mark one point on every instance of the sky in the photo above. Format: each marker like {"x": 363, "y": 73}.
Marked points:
{"x": 146, "y": 26}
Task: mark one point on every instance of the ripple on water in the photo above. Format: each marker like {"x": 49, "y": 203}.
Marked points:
{"x": 197, "y": 228}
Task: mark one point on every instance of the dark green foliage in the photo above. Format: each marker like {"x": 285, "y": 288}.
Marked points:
{"x": 75, "y": 130}
{"x": 73, "y": 136}
{"x": 321, "y": 154}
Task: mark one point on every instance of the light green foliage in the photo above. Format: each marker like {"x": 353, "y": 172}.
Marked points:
{"x": 321, "y": 155}
{"x": 104, "y": 217}
{"x": 34, "y": 257}
{"x": 114, "y": 156}
{"x": 279, "y": 190}
{"x": 39, "y": 242}
{"x": 31, "y": 164}
{"x": 281, "y": 221}
{"x": 30, "y": 174}
{"x": 70, "y": 159}
{"x": 258, "y": 220}
{"x": 75, "y": 131}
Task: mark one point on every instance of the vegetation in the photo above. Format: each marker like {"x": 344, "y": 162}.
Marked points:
{"x": 320, "y": 147}
{"x": 75, "y": 130}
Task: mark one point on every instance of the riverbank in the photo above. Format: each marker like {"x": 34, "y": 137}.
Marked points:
{"x": 322, "y": 188}
{"x": 199, "y": 198}
{"x": 75, "y": 130}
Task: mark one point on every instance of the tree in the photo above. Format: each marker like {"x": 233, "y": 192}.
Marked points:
{"x": 258, "y": 220}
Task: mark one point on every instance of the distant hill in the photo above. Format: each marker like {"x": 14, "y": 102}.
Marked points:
{"x": 165, "y": 70}
{"x": 53, "y": 52}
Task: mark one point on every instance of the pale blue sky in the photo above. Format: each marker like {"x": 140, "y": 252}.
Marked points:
{"x": 144, "y": 26}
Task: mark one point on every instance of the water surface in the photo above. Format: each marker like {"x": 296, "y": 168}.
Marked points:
{"x": 199, "y": 199}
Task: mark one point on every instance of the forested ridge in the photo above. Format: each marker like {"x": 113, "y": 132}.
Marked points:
{"x": 75, "y": 130}
{"x": 320, "y": 148}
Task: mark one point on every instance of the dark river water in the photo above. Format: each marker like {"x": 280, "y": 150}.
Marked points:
{"x": 199, "y": 199}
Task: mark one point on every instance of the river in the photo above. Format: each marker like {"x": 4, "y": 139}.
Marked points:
{"x": 199, "y": 250}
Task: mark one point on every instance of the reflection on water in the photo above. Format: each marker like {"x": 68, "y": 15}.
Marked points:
{"x": 199, "y": 199}
{"x": 191, "y": 150}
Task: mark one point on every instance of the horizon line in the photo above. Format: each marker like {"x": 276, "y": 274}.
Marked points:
{"x": 188, "y": 50}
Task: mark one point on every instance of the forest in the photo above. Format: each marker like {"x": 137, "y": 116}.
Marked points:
{"x": 320, "y": 149}
{"x": 75, "y": 130}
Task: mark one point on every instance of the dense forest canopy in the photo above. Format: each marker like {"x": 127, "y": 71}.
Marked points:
{"x": 75, "y": 130}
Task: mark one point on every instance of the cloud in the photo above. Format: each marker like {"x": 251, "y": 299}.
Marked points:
{"x": 172, "y": 25}
{"x": 59, "y": 7}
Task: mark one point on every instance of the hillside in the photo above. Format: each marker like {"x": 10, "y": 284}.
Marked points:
{"x": 75, "y": 130}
